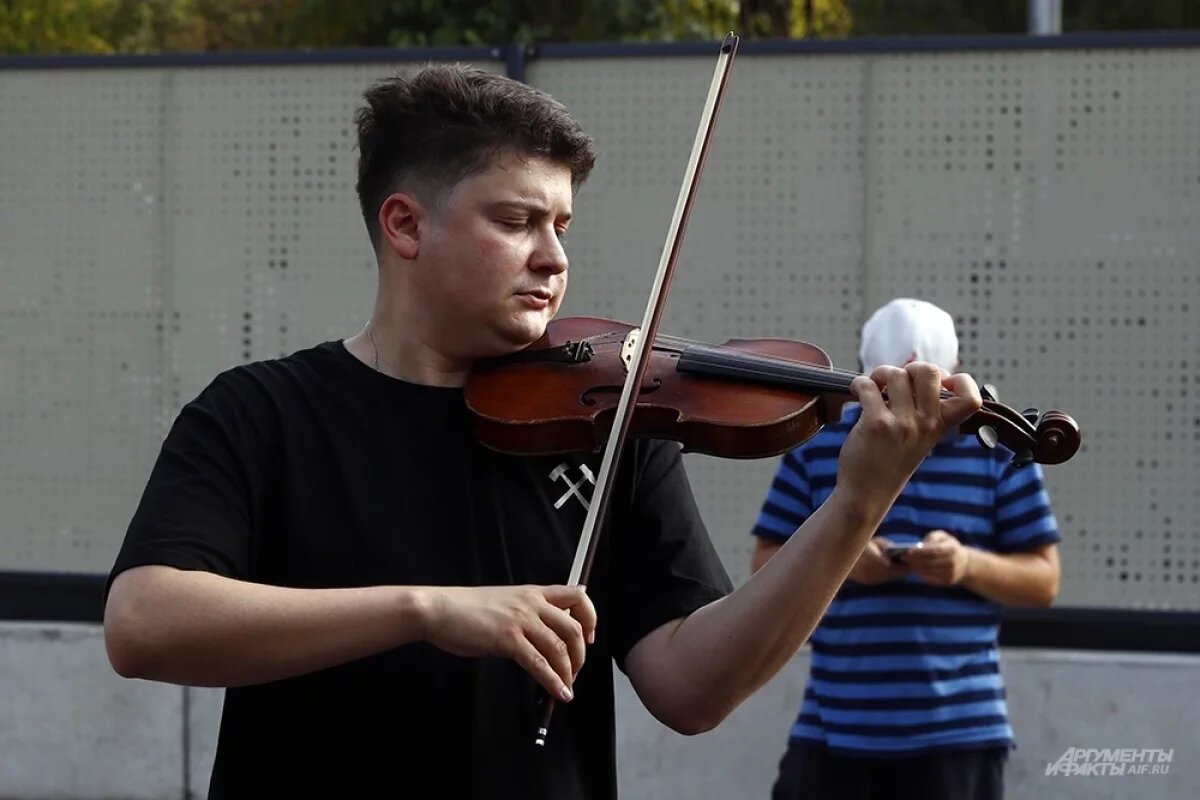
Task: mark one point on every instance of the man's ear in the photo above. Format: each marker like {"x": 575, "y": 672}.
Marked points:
{"x": 401, "y": 219}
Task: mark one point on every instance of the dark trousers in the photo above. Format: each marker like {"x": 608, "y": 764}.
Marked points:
{"x": 811, "y": 772}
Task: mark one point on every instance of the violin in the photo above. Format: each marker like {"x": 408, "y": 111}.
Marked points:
{"x": 744, "y": 399}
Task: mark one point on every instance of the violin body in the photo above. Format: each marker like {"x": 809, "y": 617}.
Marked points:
{"x": 535, "y": 407}
{"x": 745, "y": 399}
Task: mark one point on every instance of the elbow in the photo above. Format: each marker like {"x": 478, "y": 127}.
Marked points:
{"x": 128, "y": 651}
{"x": 1048, "y": 595}
{"x": 1049, "y": 587}
{"x": 1043, "y": 595}
{"x": 129, "y": 627}
{"x": 697, "y": 726}
{"x": 695, "y": 719}
{"x": 125, "y": 654}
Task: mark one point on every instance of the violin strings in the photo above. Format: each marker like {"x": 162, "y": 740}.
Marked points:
{"x": 675, "y": 344}
{"x": 753, "y": 365}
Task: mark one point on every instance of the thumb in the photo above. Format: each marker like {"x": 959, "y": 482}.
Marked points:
{"x": 965, "y": 402}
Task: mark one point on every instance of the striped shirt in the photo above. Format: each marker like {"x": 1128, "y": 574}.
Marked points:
{"x": 904, "y": 667}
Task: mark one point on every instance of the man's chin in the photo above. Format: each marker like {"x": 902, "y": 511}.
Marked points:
{"x": 517, "y": 336}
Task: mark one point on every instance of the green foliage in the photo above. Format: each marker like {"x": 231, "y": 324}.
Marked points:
{"x": 55, "y": 26}
{"x": 144, "y": 26}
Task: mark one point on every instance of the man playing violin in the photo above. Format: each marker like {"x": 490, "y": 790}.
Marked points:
{"x": 381, "y": 595}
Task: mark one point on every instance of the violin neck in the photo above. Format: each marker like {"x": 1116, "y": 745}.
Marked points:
{"x": 726, "y": 362}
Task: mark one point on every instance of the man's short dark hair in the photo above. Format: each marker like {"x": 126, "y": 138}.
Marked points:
{"x": 430, "y": 129}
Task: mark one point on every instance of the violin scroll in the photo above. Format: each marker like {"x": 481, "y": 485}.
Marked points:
{"x": 1049, "y": 438}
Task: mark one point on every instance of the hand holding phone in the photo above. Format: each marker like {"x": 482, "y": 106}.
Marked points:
{"x": 895, "y": 552}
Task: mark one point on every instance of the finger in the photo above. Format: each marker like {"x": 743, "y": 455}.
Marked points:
{"x": 553, "y": 650}
{"x": 569, "y": 630}
{"x": 927, "y": 380}
{"x": 900, "y": 391}
{"x": 879, "y": 558}
{"x": 536, "y": 664}
{"x": 965, "y": 402}
{"x": 882, "y": 541}
{"x": 869, "y": 396}
{"x": 926, "y": 575}
{"x": 927, "y": 556}
{"x": 575, "y": 600}
{"x": 936, "y": 536}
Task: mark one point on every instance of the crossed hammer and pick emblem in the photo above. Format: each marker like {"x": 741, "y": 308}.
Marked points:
{"x": 573, "y": 487}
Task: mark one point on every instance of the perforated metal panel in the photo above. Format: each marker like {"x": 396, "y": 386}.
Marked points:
{"x": 156, "y": 227}
{"x": 1049, "y": 200}
{"x": 1046, "y": 199}
{"x": 80, "y": 289}
{"x": 1042, "y": 198}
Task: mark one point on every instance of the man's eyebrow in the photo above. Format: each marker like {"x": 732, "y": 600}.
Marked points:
{"x": 527, "y": 205}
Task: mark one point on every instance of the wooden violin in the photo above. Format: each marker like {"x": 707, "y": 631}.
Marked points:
{"x": 746, "y": 398}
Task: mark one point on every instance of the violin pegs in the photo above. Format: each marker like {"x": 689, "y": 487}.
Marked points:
{"x": 987, "y": 436}
{"x": 1032, "y": 415}
{"x": 988, "y": 392}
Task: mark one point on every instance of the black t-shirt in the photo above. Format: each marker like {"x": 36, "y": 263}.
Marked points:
{"x": 316, "y": 471}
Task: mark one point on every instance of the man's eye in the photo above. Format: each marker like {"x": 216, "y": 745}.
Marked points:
{"x": 515, "y": 224}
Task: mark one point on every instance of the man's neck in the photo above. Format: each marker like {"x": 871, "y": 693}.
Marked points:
{"x": 391, "y": 354}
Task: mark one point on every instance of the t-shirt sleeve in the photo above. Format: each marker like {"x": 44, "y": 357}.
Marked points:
{"x": 788, "y": 502}
{"x": 1024, "y": 520}
{"x": 200, "y": 503}
{"x": 664, "y": 563}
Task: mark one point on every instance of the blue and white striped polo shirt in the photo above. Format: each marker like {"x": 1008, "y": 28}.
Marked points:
{"x": 904, "y": 667}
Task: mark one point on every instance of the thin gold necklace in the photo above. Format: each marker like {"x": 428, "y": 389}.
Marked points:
{"x": 374, "y": 348}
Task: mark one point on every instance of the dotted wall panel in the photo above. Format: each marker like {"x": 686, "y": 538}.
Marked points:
{"x": 1044, "y": 199}
{"x": 158, "y": 226}
{"x": 81, "y": 275}
{"x": 1049, "y": 201}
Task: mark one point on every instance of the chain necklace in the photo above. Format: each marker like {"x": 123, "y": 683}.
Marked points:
{"x": 374, "y": 348}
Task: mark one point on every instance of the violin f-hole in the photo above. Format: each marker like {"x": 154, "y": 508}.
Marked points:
{"x": 588, "y": 398}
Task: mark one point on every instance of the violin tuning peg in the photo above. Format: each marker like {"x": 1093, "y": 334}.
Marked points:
{"x": 987, "y": 436}
{"x": 988, "y": 391}
{"x": 1032, "y": 415}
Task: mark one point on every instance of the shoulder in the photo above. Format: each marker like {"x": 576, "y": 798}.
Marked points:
{"x": 262, "y": 388}
{"x": 273, "y": 375}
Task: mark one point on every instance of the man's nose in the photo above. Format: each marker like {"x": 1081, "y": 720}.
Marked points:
{"x": 550, "y": 256}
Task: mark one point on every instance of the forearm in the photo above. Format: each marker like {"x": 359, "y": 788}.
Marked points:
{"x": 711, "y": 661}
{"x": 1017, "y": 579}
{"x": 200, "y": 629}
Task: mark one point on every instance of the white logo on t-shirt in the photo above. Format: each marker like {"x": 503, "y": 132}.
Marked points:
{"x": 572, "y": 486}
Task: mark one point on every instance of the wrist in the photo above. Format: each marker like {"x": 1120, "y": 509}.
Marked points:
{"x": 969, "y": 565}
{"x": 418, "y": 608}
{"x": 856, "y": 512}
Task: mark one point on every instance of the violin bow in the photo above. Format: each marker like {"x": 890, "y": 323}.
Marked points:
{"x": 598, "y": 508}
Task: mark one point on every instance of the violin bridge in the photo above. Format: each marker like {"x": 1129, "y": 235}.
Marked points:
{"x": 628, "y": 347}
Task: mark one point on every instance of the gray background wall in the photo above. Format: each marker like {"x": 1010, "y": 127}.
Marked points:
{"x": 159, "y": 224}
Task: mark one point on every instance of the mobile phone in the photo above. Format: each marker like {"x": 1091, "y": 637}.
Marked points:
{"x": 896, "y": 551}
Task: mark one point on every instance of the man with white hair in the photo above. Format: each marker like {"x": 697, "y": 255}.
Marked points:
{"x": 905, "y": 697}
